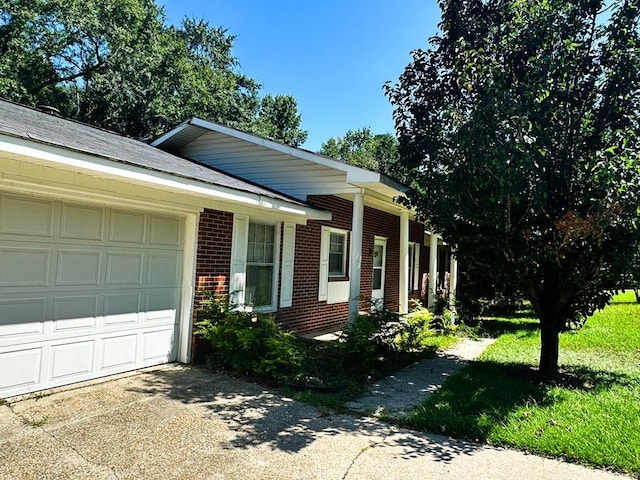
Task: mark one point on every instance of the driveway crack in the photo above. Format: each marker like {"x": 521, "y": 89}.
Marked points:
{"x": 77, "y": 452}
{"x": 364, "y": 449}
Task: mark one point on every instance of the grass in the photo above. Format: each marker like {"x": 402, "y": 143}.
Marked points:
{"x": 590, "y": 414}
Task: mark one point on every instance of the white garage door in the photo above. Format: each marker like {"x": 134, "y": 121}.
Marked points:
{"x": 85, "y": 291}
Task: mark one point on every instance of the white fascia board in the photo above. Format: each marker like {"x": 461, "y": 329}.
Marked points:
{"x": 103, "y": 166}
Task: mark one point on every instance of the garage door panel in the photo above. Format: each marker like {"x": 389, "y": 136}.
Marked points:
{"x": 121, "y": 308}
{"x": 20, "y": 370}
{"x": 163, "y": 268}
{"x": 22, "y": 317}
{"x": 165, "y": 231}
{"x": 124, "y": 268}
{"x": 71, "y": 359}
{"x": 14, "y": 210}
{"x": 161, "y": 306}
{"x": 119, "y": 351}
{"x": 77, "y": 267}
{"x": 127, "y": 227}
{"x": 81, "y": 222}
{"x": 158, "y": 345}
{"x": 24, "y": 266}
{"x": 75, "y": 313}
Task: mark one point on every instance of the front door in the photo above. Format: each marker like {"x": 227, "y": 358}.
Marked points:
{"x": 379, "y": 263}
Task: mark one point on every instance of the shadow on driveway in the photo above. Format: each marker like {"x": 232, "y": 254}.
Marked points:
{"x": 260, "y": 417}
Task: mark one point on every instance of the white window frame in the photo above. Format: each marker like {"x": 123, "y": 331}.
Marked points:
{"x": 238, "y": 278}
{"x": 345, "y": 235}
{"x": 325, "y": 240}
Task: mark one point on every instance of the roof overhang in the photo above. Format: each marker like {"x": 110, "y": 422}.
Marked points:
{"x": 12, "y": 147}
{"x": 354, "y": 179}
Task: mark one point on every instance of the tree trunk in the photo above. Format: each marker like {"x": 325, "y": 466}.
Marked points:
{"x": 635, "y": 290}
{"x": 550, "y": 340}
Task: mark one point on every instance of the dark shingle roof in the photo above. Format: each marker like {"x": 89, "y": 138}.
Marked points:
{"x": 34, "y": 125}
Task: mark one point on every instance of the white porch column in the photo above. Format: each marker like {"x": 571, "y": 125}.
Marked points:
{"x": 355, "y": 264}
{"x": 453, "y": 282}
{"x": 433, "y": 271}
{"x": 404, "y": 262}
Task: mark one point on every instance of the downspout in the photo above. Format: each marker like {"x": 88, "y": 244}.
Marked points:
{"x": 355, "y": 264}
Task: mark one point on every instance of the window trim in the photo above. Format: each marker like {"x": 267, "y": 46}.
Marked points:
{"x": 324, "y": 277}
{"x": 345, "y": 235}
{"x": 240, "y": 246}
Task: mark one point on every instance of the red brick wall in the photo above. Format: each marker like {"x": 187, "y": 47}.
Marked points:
{"x": 213, "y": 264}
{"x": 306, "y": 313}
{"x": 381, "y": 224}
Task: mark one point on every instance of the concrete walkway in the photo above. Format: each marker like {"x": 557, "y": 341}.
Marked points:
{"x": 397, "y": 395}
{"x": 182, "y": 422}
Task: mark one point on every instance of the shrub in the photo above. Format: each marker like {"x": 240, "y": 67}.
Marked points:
{"x": 366, "y": 340}
{"x": 247, "y": 343}
{"x": 415, "y": 329}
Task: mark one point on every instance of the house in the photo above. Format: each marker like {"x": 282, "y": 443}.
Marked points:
{"x": 105, "y": 240}
{"x": 316, "y": 275}
{"x": 99, "y": 236}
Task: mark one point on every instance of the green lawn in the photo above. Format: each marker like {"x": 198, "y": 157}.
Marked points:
{"x": 591, "y": 415}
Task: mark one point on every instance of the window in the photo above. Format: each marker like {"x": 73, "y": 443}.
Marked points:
{"x": 260, "y": 264}
{"x": 337, "y": 254}
{"x": 333, "y": 285}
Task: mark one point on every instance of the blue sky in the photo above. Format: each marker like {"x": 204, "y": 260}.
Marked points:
{"x": 332, "y": 56}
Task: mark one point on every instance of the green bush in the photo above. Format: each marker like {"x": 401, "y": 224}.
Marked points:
{"x": 247, "y": 343}
{"x": 366, "y": 341}
{"x": 415, "y": 330}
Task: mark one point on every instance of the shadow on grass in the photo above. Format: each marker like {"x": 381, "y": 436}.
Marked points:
{"x": 485, "y": 394}
{"x": 495, "y": 327}
{"x": 256, "y": 416}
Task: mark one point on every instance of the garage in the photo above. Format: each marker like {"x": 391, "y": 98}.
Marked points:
{"x": 98, "y": 248}
{"x": 85, "y": 291}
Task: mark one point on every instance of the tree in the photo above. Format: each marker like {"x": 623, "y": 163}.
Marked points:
{"x": 364, "y": 149}
{"x": 117, "y": 65}
{"x": 520, "y": 123}
{"x": 278, "y": 118}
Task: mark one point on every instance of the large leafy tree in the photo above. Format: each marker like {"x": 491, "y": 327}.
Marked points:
{"x": 377, "y": 152}
{"x": 279, "y": 118}
{"x": 520, "y": 122}
{"x": 117, "y": 64}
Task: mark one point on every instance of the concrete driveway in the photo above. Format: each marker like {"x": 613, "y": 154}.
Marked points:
{"x": 180, "y": 422}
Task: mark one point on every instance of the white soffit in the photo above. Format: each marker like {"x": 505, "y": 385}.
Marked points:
{"x": 265, "y": 162}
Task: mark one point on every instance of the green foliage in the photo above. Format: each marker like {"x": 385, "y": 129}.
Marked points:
{"x": 519, "y": 124}
{"x": 416, "y": 331}
{"x": 589, "y": 414}
{"x": 117, "y": 65}
{"x": 279, "y": 119}
{"x": 367, "y": 340}
{"x": 248, "y": 343}
{"x": 483, "y": 292}
{"x": 364, "y": 149}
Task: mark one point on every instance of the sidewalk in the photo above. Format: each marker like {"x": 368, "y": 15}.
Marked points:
{"x": 397, "y": 395}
